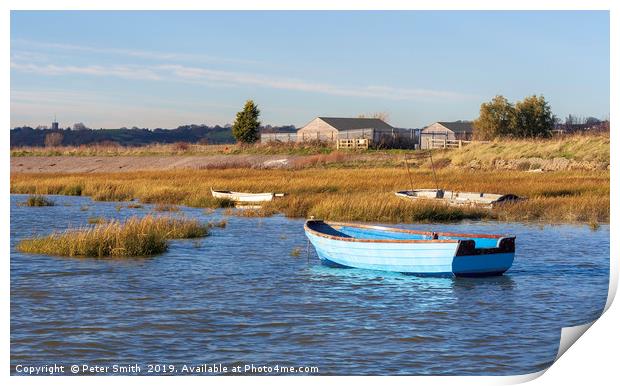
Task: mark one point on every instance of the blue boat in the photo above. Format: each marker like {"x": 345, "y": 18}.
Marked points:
{"x": 409, "y": 251}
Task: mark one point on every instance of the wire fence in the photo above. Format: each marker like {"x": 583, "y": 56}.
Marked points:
{"x": 317, "y": 136}
{"x": 376, "y": 137}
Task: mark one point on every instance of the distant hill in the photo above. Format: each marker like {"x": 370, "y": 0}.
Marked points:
{"x": 27, "y": 136}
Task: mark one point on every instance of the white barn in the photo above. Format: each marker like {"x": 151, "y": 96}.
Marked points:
{"x": 332, "y": 129}
{"x": 463, "y": 130}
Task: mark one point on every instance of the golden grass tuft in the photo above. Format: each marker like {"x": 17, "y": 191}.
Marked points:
{"x": 254, "y": 212}
{"x": 96, "y": 220}
{"x": 166, "y": 208}
{"x": 133, "y": 237}
{"x": 38, "y": 200}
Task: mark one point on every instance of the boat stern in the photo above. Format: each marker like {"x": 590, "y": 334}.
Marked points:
{"x": 472, "y": 261}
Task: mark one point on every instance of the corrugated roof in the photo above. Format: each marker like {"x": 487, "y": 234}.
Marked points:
{"x": 459, "y": 126}
{"x": 344, "y": 124}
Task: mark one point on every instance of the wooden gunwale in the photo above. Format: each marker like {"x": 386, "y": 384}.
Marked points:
{"x": 351, "y": 239}
{"x": 413, "y": 231}
{"x": 230, "y": 192}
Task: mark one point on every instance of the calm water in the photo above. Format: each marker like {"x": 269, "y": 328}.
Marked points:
{"x": 239, "y": 297}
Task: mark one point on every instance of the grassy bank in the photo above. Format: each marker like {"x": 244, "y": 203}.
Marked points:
{"x": 182, "y": 148}
{"x": 575, "y": 152}
{"x": 580, "y": 151}
{"x": 360, "y": 194}
{"x": 133, "y": 237}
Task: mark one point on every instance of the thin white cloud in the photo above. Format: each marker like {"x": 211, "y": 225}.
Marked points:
{"x": 126, "y": 72}
{"x": 176, "y": 72}
{"x": 238, "y": 78}
{"x": 18, "y": 44}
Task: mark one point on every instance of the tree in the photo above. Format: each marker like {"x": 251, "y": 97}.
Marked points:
{"x": 495, "y": 120}
{"x": 572, "y": 120}
{"x": 79, "y": 126}
{"x": 533, "y": 118}
{"x": 53, "y": 139}
{"x": 246, "y": 126}
{"x": 384, "y": 116}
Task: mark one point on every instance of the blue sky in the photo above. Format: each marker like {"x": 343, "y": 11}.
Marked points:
{"x": 164, "y": 69}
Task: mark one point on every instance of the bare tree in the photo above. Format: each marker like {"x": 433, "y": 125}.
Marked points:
{"x": 383, "y": 115}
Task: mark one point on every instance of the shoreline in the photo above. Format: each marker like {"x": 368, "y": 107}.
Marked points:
{"x": 234, "y": 211}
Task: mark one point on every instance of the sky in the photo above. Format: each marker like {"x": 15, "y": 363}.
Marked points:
{"x": 169, "y": 68}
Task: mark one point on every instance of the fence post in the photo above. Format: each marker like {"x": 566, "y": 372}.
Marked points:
{"x": 460, "y": 143}
{"x": 445, "y": 140}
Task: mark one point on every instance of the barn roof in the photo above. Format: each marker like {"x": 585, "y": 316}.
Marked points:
{"x": 459, "y": 126}
{"x": 344, "y": 124}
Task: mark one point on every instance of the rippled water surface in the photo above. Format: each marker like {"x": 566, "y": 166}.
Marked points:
{"x": 240, "y": 296}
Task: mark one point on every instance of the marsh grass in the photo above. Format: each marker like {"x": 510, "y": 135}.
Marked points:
{"x": 96, "y": 220}
{"x": 132, "y": 237}
{"x": 578, "y": 147}
{"x": 219, "y": 224}
{"x": 254, "y": 212}
{"x": 358, "y": 194}
{"x": 38, "y": 200}
{"x": 166, "y": 208}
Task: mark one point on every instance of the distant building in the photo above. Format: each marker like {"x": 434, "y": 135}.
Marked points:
{"x": 331, "y": 129}
{"x": 463, "y": 130}
{"x": 55, "y": 124}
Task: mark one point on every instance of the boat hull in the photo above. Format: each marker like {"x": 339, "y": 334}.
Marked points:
{"x": 243, "y": 197}
{"x": 446, "y": 257}
{"x": 458, "y": 198}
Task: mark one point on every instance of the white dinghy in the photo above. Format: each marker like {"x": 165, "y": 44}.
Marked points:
{"x": 245, "y": 197}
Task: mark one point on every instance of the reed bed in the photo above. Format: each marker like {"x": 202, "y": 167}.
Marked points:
{"x": 96, "y": 220}
{"x": 38, "y": 200}
{"x": 361, "y": 194}
{"x": 134, "y": 237}
{"x": 166, "y": 208}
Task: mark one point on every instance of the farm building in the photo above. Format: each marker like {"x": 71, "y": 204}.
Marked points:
{"x": 449, "y": 131}
{"x": 332, "y": 129}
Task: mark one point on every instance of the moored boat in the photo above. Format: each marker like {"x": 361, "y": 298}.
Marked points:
{"x": 410, "y": 251}
{"x": 245, "y": 197}
{"x": 458, "y": 198}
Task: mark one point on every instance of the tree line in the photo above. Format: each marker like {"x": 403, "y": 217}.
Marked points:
{"x": 529, "y": 118}
{"x": 79, "y": 134}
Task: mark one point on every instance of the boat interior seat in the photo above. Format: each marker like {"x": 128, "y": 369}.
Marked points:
{"x": 324, "y": 228}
